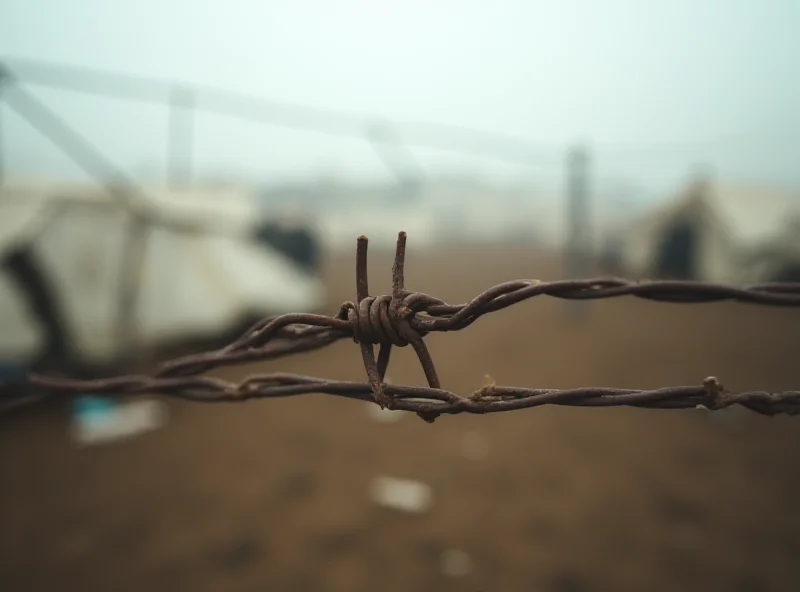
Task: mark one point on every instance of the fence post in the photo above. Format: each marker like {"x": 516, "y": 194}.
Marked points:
{"x": 2, "y": 143}
{"x": 180, "y": 137}
{"x": 578, "y": 247}
{"x": 5, "y": 80}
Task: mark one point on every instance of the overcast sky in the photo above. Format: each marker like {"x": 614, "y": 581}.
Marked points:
{"x": 654, "y": 86}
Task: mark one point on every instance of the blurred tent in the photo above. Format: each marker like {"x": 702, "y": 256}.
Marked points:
{"x": 718, "y": 233}
{"x": 88, "y": 279}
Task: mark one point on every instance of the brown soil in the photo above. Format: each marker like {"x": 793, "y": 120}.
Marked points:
{"x": 272, "y": 495}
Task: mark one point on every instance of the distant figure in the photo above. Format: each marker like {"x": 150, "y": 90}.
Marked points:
{"x": 298, "y": 244}
{"x": 611, "y": 256}
{"x": 677, "y": 253}
{"x": 789, "y": 273}
{"x": 21, "y": 266}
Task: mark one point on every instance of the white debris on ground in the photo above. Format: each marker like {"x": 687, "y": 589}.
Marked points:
{"x": 455, "y": 563}
{"x": 98, "y": 420}
{"x": 404, "y": 495}
{"x": 474, "y": 445}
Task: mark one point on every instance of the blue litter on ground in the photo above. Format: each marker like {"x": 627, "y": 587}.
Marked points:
{"x": 103, "y": 419}
{"x": 93, "y": 409}
{"x": 92, "y": 404}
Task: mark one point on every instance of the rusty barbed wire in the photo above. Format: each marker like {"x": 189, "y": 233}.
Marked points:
{"x": 404, "y": 318}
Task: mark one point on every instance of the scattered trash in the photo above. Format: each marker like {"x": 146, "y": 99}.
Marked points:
{"x": 97, "y": 420}
{"x": 474, "y": 446}
{"x": 455, "y": 563}
{"x": 401, "y": 494}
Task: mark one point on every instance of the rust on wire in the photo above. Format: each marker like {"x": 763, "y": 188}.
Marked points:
{"x": 405, "y": 318}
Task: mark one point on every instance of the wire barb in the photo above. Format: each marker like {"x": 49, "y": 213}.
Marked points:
{"x": 405, "y": 318}
{"x": 384, "y": 320}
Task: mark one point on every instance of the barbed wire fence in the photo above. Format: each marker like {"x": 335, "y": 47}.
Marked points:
{"x": 404, "y": 318}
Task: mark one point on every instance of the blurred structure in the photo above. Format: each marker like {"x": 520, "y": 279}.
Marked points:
{"x": 88, "y": 282}
{"x": 714, "y": 232}
{"x": 578, "y": 243}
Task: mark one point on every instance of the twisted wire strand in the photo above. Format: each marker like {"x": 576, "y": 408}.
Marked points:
{"x": 404, "y": 318}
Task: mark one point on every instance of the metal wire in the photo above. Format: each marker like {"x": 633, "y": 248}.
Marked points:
{"x": 405, "y": 318}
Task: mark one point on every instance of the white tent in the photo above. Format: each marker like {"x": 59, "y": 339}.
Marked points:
{"x": 199, "y": 273}
{"x": 715, "y": 232}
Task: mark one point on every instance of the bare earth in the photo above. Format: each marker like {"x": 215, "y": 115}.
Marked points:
{"x": 273, "y": 495}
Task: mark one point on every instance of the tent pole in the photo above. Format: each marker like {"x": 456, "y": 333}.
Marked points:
{"x": 577, "y": 259}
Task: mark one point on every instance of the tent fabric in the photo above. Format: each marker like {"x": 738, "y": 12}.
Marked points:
{"x": 752, "y": 216}
{"x": 191, "y": 284}
{"x": 741, "y": 232}
{"x": 20, "y": 218}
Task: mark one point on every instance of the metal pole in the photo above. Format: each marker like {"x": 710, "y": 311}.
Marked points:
{"x": 578, "y": 241}
{"x": 181, "y": 135}
{"x": 5, "y": 79}
{"x": 2, "y": 143}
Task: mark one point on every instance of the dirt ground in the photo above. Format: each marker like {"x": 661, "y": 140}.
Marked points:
{"x": 273, "y": 495}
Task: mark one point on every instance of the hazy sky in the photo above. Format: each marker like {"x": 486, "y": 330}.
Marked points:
{"x": 719, "y": 78}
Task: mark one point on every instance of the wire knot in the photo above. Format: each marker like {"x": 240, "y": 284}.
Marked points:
{"x": 384, "y": 320}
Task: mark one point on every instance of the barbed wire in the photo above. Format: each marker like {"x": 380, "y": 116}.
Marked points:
{"x": 404, "y": 318}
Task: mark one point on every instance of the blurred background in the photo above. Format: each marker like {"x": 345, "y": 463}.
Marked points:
{"x": 172, "y": 171}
